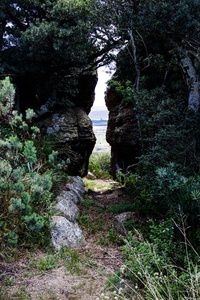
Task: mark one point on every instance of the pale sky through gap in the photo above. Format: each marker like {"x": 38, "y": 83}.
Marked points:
{"x": 104, "y": 74}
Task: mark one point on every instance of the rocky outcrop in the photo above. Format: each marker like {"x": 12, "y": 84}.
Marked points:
{"x": 122, "y": 132}
{"x": 61, "y": 109}
{"x": 45, "y": 94}
{"x": 85, "y": 97}
{"x": 76, "y": 140}
{"x": 65, "y": 231}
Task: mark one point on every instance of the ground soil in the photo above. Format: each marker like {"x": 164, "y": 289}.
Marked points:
{"x": 101, "y": 256}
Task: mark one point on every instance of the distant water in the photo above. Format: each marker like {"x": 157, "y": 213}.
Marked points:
{"x": 96, "y": 114}
{"x": 100, "y": 133}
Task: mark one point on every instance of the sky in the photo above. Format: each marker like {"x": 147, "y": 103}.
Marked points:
{"x": 104, "y": 74}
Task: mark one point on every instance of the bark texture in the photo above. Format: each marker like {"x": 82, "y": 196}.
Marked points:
{"x": 192, "y": 79}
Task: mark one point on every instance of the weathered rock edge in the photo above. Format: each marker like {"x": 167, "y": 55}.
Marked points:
{"x": 75, "y": 138}
{"x": 120, "y": 219}
{"x": 65, "y": 231}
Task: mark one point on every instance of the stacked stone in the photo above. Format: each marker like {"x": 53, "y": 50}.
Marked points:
{"x": 65, "y": 231}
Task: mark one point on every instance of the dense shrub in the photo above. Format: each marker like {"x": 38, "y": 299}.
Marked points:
{"x": 26, "y": 179}
{"x": 166, "y": 177}
{"x": 161, "y": 263}
{"x": 169, "y": 132}
{"x": 7, "y": 94}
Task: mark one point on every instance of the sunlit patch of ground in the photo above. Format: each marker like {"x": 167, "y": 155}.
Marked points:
{"x": 100, "y": 185}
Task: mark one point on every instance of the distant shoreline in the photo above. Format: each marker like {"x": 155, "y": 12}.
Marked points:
{"x": 99, "y": 122}
{"x": 99, "y": 115}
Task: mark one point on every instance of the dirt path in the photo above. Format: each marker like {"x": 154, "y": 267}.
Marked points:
{"x": 51, "y": 276}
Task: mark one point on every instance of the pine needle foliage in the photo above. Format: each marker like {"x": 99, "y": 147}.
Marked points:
{"x": 26, "y": 178}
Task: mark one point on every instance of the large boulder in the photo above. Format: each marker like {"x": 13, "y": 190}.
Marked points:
{"x": 76, "y": 139}
{"x": 66, "y": 233}
{"x": 122, "y": 132}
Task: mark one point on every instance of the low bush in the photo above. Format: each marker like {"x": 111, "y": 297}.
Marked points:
{"x": 168, "y": 194}
{"x": 153, "y": 273}
{"x": 149, "y": 270}
{"x": 26, "y": 179}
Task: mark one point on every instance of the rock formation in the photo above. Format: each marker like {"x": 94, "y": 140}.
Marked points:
{"x": 41, "y": 91}
{"x": 67, "y": 234}
{"x": 122, "y": 131}
{"x": 65, "y": 231}
{"x": 63, "y": 112}
{"x": 76, "y": 139}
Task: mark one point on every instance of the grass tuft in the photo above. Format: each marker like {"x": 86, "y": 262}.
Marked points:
{"x": 99, "y": 164}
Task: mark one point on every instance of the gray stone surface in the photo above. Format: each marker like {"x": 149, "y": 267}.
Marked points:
{"x": 75, "y": 137}
{"x": 69, "y": 209}
{"x": 66, "y": 233}
{"x": 120, "y": 219}
{"x": 71, "y": 194}
{"x": 76, "y": 183}
{"x": 90, "y": 175}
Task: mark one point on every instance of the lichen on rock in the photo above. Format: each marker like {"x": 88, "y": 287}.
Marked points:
{"x": 73, "y": 130}
{"x": 65, "y": 230}
{"x": 66, "y": 233}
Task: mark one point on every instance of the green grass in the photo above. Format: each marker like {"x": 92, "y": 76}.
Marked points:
{"x": 99, "y": 164}
{"x": 71, "y": 260}
{"x": 91, "y": 227}
{"x": 120, "y": 208}
{"x": 150, "y": 273}
{"x": 68, "y": 257}
{"x": 46, "y": 263}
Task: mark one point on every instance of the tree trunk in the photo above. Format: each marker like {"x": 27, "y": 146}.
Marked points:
{"x": 192, "y": 80}
{"x": 134, "y": 57}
